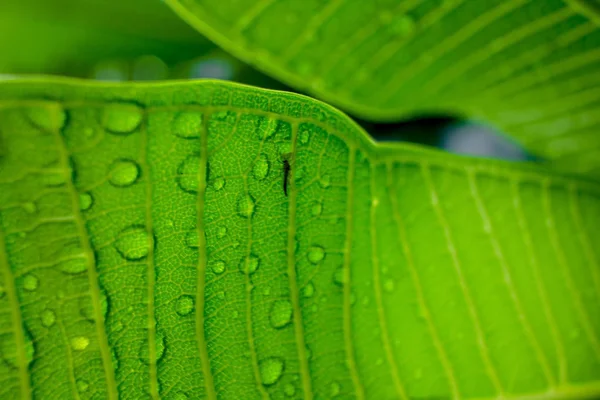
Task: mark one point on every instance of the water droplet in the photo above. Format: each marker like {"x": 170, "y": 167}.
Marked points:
{"x": 245, "y": 206}
{"x": 54, "y": 179}
{"x": 402, "y": 26}
{"x": 316, "y": 254}
{"x": 191, "y": 239}
{"x": 308, "y": 290}
{"x": 261, "y": 167}
{"x": 219, "y": 184}
{"x": 134, "y": 243}
{"x": 334, "y": 389}
{"x": 316, "y": 209}
{"x": 30, "y": 282}
{"x": 29, "y": 207}
{"x": 289, "y": 389}
{"x": 389, "y": 285}
{"x": 338, "y": 276}
{"x": 281, "y": 314}
{"x": 221, "y": 232}
{"x": 308, "y": 353}
{"x": 188, "y": 125}
{"x": 123, "y": 173}
{"x": 271, "y": 370}
{"x": 48, "y": 318}
{"x": 185, "y": 305}
{"x": 85, "y": 201}
{"x": 82, "y": 386}
{"x": 75, "y": 265}
{"x": 325, "y": 181}
{"x": 122, "y": 119}
{"x": 187, "y": 173}
{"x": 80, "y": 343}
{"x": 249, "y": 264}
{"x": 50, "y": 118}
{"x": 218, "y": 267}
{"x": 86, "y": 306}
{"x": 159, "y": 347}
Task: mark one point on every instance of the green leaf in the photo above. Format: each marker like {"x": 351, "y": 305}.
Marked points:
{"x": 71, "y": 36}
{"x": 214, "y": 240}
{"x": 528, "y": 67}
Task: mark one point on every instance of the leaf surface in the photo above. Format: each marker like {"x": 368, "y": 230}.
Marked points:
{"x": 528, "y": 67}
{"x": 211, "y": 240}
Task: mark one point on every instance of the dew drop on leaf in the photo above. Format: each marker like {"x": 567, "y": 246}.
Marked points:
{"x": 159, "y": 347}
{"x": 54, "y": 179}
{"x": 249, "y": 264}
{"x": 79, "y": 343}
{"x": 82, "y": 386}
{"x": 338, "y": 276}
{"x": 121, "y": 119}
{"x": 316, "y": 209}
{"x": 281, "y": 314}
{"x": 261, "y": 167}
{"x": 219, "y": 184}
{"x": 245, "y": 206}
{"x": 325, "y": 181}
{"x": 271, "y": 370}
{"x": 51, "y": 118}
{"x": 191, "y": 239}
{"x": 74, "y": 266}
{"x": 123, "y": 173}
{"x": 30, "y": 282}
{"x": 308, "y": 290}
{"x": 187, "y": 173}
{"x": 85, "y": 201}
{"x": 133, "y": 243}
{"x": 185, "y": 305}
{"x": 188, "y": 124}
{"x": 289, "y": 390}
{"x": 48, "y": 318}
{"x": 218, "y": 267}
{"x": 316, "y": 254}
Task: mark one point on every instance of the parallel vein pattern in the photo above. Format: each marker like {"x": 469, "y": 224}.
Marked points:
{"x": 210, "y": 240}
{"x": 525, "y": 66}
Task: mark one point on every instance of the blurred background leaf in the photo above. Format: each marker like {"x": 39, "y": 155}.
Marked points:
{"x": 121, "y": 40}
